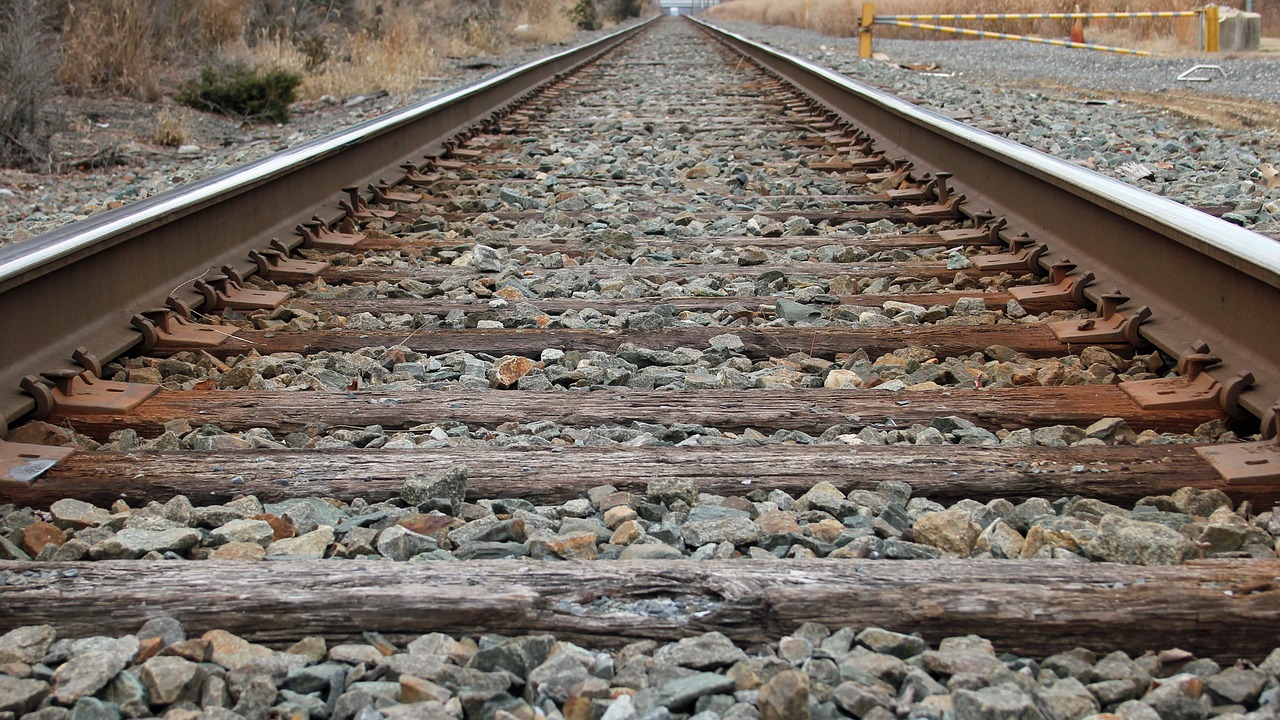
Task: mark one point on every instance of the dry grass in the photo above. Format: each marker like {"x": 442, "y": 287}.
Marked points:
{"x": 111, "y": 44}
{"x": 27, "y": 50}
{"x": 394, "y": 58}
{"x": 221, "y": 22}
{"x": 171, "y": 128}
{"x": 539, "y": 21}
{"x": 839, "y": 18}
{"x": 142, "y": 48}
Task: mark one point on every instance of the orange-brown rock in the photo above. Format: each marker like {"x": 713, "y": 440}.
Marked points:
{"x": 509, "y": 369}
{"x": 282, "y": 527}
{"x": 40, "y": 533}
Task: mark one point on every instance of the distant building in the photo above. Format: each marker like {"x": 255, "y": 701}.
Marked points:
{"x": 686, "y": 7}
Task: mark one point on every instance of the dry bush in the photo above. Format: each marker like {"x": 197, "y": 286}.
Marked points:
{"x": 171, "y": 128}
{"x": 27, "y": 51}
{"x": 394, "y": 57}
{"x": 538, "y": 21}
{"x": 111, "y": 44}
{"x": 221, "y": 22}
{"x": 127, "y": 46}
{"x": 268, "y": 53}
{"x": 840, "y": 17}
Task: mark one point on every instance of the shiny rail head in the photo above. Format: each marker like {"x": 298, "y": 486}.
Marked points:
{"x": 44, "y": 250}
{"x": 1245, "y": 250}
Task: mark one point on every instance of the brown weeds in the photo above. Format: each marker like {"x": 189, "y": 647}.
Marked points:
{"x": 171, "y": 128}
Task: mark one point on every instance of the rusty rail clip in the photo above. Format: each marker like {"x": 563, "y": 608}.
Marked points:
{"x": 221, "y": 291}
{"x": 898, "y": 170}
{"x": 1061, "y": 288}
{"x": 413, "y": 176}
{"x": 440, "y": 162}
{"x": 84, "y": 392}
{"x": 357, "y": 209}
{"x": 275, "y": 265}
{"x": 1024, "y": 256}
{"x": 1254, "y": 463}
{"x": 317, "y": 235}
{"x": 165, "y": 327}
{"x": 926, "y": 189}
{"x": 947, "y": 205}
{"x": 384, "y": 195}
{"x": 1110, "y": 326}
{"x": 988, "y": 232}
{"x": 1193, "y": 389}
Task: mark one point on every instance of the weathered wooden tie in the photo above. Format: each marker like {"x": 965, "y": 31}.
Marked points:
{"x": 811, "y": 411}
{"x": 762, "y": 304}
{"x": 552, "y": 475}
{"x": 1035, "y": 341}
{"x": 674, "y": 272}
{"x": 1225, "y": 609}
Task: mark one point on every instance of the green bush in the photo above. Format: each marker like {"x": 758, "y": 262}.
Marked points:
{"x": 583, "y": 14}
{"x": 242, "y": 91}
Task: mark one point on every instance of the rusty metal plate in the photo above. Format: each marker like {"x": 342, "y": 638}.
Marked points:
{"x": 1254, "y": 463}
{"x": 24, "y": 463}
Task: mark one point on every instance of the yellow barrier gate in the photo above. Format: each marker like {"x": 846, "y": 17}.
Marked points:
{"x": 1208, "y": 18}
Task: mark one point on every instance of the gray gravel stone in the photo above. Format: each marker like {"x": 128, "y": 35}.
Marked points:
{"x": 707, "y": 651}
{"x": 26, "y": 644}
{"x": 130, "y": 544}
{"x": 20, "y": 696}
{"x": 1136, "y": 542}
{"x": 86, "y": 673}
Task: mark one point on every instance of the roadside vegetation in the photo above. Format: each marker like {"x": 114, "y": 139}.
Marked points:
{"x": 251, "y": 58}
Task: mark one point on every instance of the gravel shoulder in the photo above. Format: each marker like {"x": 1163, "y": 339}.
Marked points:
{"x": 1201, "y": 144}
{"x": 106, "y": 154}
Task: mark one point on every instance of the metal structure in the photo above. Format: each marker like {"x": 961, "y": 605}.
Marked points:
{"x": 686, "y": 7}
{"x": 1209, "y": 36}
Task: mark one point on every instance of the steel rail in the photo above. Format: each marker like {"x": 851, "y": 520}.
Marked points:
{"x": 79, "y": 285}
{"x": 1204, "y": 279}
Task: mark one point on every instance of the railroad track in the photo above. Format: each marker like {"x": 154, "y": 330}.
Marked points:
{"x": 688, "y": 353}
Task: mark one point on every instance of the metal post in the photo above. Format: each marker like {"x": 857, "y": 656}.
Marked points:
{"x": 864, "y": 30}
{"x": 1211, "y": 29}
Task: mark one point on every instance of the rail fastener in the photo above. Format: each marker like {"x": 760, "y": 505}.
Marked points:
{"x": 1255, "y": 463}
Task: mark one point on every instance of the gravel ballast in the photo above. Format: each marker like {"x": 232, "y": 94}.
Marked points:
{"x": 1201, "y": 144}
{"x": 814, "y": 673}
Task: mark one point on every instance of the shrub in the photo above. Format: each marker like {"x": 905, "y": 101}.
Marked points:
{"x": 619, "y": 10}
{"x": 239, "y": 90}
{"x": 583, "y": 14}
{"x": 171, "y": 128}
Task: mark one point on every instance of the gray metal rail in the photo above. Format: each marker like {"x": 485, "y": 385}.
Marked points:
{"x": 1204, "y": 279}
{"x": 79, "y": 285}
